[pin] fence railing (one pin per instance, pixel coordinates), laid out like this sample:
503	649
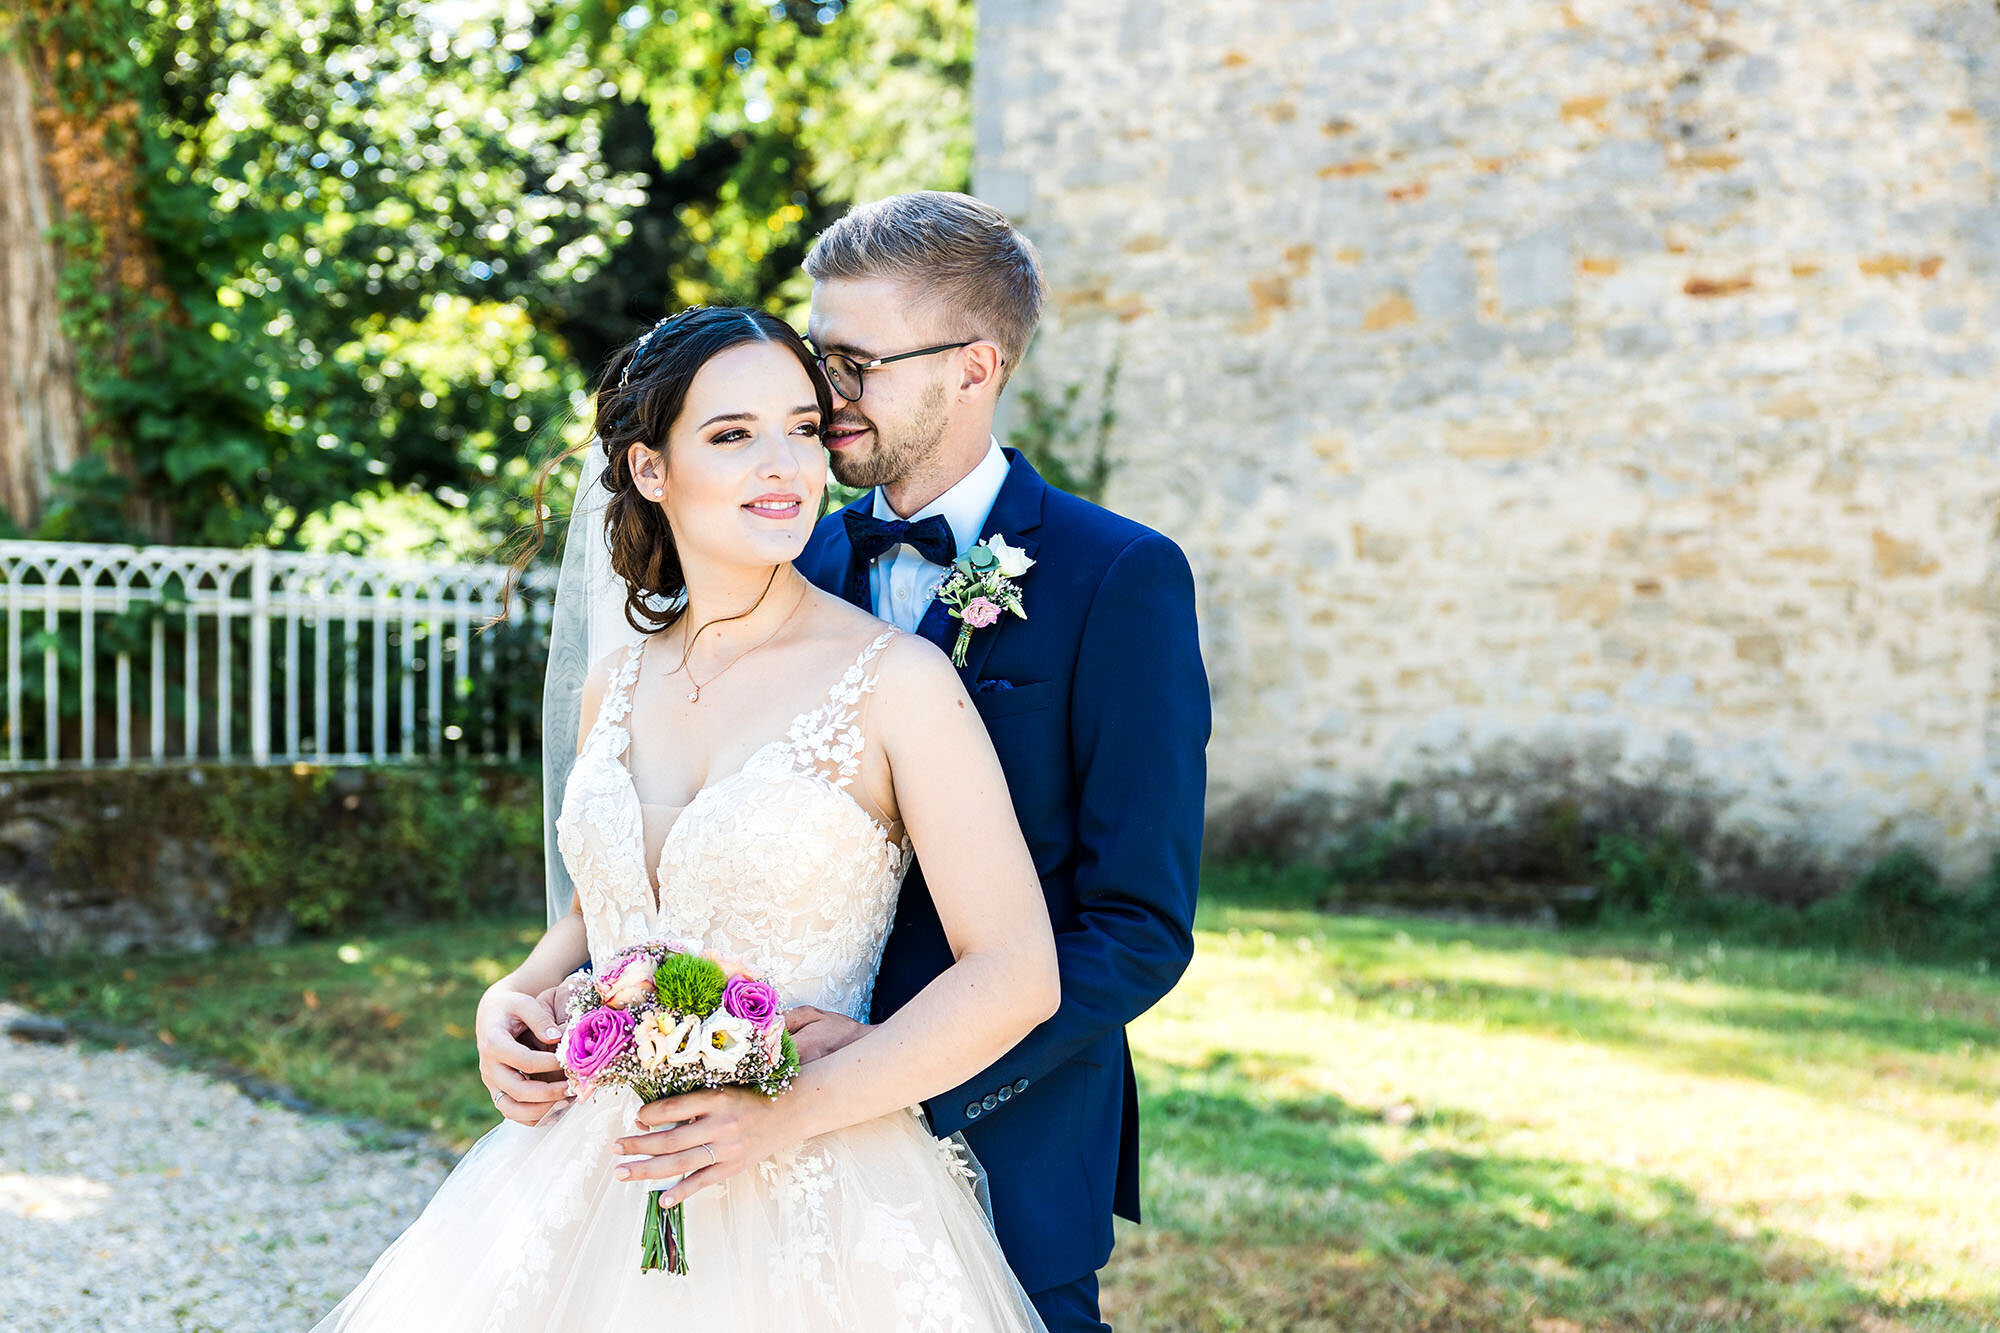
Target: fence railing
172	655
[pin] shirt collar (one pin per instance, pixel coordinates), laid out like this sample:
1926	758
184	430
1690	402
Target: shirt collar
967	503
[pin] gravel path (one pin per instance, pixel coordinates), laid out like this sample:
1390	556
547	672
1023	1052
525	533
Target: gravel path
135	1197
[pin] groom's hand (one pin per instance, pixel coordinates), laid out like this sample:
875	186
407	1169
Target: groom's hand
515	1035
818	1033
724	1131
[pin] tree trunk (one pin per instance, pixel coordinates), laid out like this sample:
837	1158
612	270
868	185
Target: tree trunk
41	411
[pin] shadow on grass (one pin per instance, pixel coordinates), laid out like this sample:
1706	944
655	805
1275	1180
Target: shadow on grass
1334	1216
1786	1042
1778	1018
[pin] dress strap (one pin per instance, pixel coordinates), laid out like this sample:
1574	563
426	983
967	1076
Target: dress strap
618	697
830	738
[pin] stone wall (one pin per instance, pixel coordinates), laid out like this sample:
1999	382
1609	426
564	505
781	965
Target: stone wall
1578	405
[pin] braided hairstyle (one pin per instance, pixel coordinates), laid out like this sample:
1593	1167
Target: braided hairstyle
640	395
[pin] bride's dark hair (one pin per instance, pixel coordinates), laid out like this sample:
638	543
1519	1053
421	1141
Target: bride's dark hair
640	394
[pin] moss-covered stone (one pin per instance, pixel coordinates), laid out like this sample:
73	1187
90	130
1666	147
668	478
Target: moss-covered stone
187	858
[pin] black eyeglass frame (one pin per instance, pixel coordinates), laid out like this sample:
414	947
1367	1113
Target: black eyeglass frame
860	379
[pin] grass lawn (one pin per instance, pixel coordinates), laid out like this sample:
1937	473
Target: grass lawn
1366	1124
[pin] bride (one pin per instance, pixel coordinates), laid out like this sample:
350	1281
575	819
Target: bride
754	770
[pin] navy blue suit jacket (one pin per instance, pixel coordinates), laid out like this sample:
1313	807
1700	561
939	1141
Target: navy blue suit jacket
1098	706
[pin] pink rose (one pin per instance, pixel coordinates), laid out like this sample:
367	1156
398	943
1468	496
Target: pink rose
751	1000
981	612
609	976
634	986
627	982
594	1041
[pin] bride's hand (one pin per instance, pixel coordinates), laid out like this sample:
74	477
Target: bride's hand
514	1033
557	997
818	1033
714	1135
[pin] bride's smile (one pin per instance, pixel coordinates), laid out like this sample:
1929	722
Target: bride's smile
776	506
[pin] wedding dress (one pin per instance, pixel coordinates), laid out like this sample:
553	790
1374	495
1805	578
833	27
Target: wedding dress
874	1227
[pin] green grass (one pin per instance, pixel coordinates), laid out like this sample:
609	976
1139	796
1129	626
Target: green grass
377	1026
1369	1124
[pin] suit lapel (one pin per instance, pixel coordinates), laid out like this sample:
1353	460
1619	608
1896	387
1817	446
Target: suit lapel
938	626
1016	512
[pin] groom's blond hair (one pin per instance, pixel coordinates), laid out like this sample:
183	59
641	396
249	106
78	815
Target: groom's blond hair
959	257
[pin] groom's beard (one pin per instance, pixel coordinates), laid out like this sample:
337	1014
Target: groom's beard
896	455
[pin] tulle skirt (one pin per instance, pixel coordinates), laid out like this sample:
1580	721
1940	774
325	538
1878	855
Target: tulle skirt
874	1227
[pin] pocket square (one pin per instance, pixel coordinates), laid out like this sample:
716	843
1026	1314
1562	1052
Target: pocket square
992	686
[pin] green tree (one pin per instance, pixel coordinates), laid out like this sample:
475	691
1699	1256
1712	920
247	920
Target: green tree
755	126
383	250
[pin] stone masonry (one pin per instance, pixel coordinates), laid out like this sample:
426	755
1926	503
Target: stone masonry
1583	405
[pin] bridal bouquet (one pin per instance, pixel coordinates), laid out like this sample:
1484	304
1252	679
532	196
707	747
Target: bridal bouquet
664	1019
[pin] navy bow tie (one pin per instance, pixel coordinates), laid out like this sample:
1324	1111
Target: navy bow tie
870	536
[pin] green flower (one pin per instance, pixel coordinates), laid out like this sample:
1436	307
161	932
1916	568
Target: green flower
689	983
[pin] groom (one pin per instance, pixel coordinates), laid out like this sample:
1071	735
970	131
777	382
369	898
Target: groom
1096	702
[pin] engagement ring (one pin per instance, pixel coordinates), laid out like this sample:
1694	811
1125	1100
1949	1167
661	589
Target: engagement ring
712	1161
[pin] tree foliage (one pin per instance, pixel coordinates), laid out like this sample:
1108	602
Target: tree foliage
385	243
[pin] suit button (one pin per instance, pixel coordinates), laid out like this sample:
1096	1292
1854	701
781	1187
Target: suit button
989	1101
1021	1086
972	1110
1005	1093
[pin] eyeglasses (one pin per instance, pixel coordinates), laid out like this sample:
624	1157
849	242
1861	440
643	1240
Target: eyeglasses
845	371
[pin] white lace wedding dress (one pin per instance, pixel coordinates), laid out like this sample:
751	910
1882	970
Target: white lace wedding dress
870	1228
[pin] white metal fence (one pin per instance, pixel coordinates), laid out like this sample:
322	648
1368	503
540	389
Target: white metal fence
145	655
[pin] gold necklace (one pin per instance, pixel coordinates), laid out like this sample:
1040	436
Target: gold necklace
694	695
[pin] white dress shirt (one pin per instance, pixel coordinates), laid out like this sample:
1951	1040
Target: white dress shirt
901	582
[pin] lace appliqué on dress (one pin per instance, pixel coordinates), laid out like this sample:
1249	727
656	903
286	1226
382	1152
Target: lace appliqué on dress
776	864
802	1176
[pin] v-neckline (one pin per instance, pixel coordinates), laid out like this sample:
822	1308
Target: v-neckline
649	874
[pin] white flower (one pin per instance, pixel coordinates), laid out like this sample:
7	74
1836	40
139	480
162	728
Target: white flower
725	1039
658	1037
683	1042
1014	561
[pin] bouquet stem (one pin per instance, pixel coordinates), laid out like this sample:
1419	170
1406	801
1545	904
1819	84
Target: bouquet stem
663	1243
964	642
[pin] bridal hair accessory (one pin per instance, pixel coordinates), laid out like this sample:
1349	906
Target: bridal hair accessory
625	375
664	1019
980	587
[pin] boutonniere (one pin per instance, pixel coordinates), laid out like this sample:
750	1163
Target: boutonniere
981	586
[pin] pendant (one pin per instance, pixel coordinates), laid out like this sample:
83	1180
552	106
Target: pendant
694	696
